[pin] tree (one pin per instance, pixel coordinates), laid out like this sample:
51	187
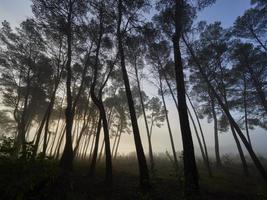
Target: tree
24	63
144	176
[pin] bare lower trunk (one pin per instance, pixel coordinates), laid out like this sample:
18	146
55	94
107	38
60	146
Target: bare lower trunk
168	123
241	153
245	109
190	168
145	118
255	159
117	146
94	157
216	135
143	170
66	160
115	140
101	151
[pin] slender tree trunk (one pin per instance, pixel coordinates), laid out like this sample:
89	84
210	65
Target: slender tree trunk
204	156
115	141
202	135
216	135
66	160
168	123
92	146
38	135
84	126
245	109
86	145
152	165
255	159
241	153
190	168
101	151
94	158
20	140
100	106
45	143
143	170
117	146
58	147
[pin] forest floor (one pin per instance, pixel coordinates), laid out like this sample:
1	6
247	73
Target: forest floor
19	180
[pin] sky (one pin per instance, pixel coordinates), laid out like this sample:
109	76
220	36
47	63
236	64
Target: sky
225	11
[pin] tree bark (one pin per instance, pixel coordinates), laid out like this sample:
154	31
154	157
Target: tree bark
168	123
143	170
253	156
94	158
190	168
152	165
66	161
245	109
216	135
98	102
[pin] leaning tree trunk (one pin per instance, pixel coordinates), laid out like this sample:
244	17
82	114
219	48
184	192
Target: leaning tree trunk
94	157
190	168
253	156
115	141
146	123
85	125
98	102
245	108
117	146
168	122
20	139
241	153
202	135
216	134
143	170
58	147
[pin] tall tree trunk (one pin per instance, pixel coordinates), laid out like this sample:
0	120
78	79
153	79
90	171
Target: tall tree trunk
115	141
57	127
241	153
203	153
88	138
20	140
38	135
152	165
245	108
45	143
202	135
50	108
168	123
66	160
58	147
143	170
94	157
216	134
254	157
98	102
117	146
190	168
86	122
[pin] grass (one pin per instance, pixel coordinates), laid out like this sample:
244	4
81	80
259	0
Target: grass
33	180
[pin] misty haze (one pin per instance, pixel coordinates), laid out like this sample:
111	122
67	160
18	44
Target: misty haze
133	99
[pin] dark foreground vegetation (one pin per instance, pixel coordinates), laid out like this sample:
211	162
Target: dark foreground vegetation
73	82
34	180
